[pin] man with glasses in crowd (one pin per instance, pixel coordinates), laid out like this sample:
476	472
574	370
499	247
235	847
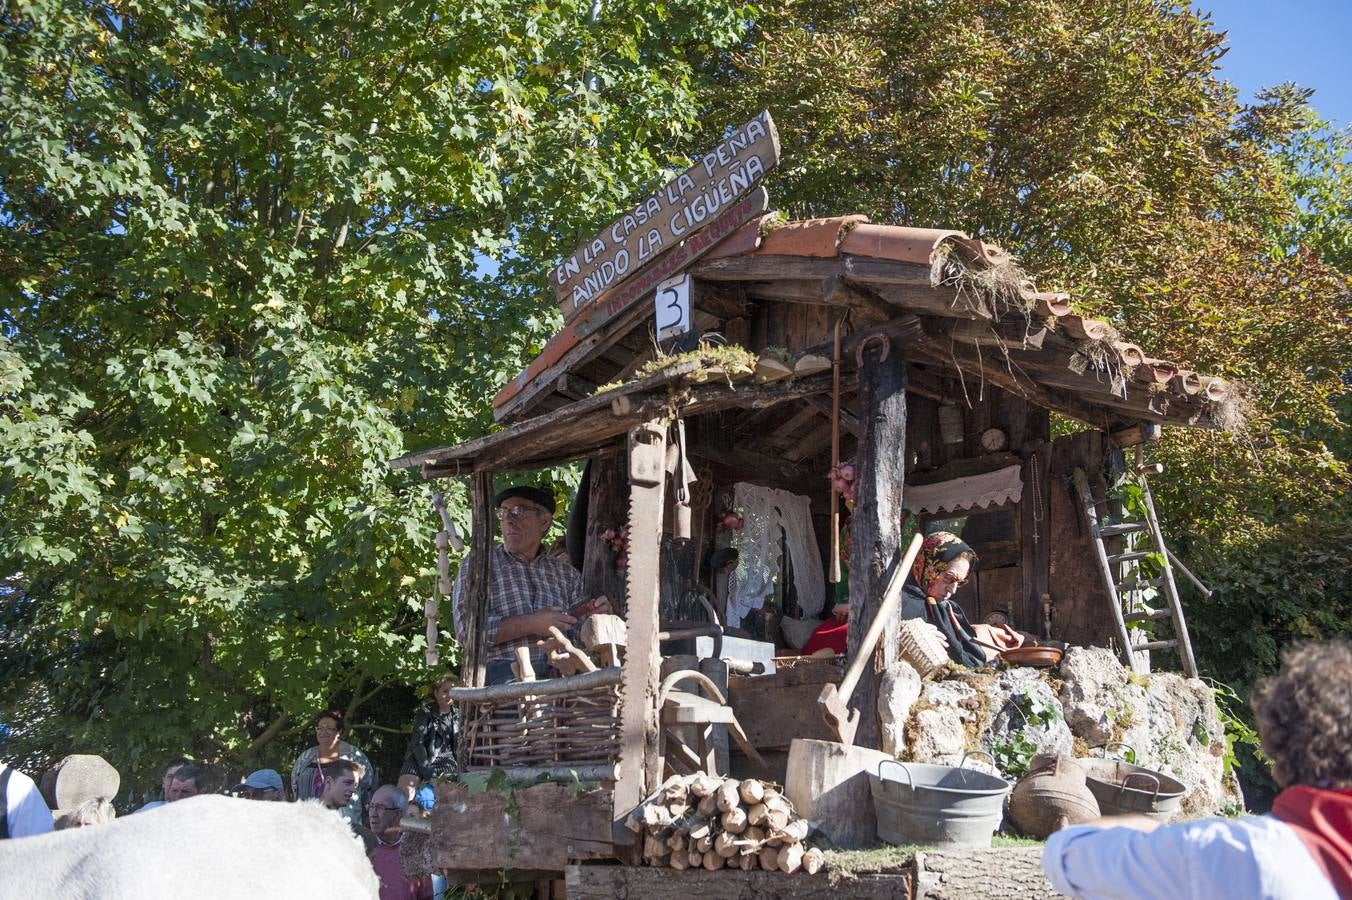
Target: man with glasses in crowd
529	591
386	809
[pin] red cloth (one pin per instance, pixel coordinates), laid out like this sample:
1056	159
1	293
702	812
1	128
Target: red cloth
393	883
1323	820
831	633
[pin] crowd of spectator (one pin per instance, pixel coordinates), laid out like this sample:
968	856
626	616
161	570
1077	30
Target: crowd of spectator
331	771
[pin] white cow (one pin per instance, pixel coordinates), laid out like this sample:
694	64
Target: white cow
208	846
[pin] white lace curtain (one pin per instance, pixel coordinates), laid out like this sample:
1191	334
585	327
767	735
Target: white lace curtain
765	511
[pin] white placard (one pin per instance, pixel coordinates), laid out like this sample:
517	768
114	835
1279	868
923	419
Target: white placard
671	304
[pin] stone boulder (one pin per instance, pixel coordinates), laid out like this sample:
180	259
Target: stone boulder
1091	702
898	692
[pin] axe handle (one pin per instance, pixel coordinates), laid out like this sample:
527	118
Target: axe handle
891	597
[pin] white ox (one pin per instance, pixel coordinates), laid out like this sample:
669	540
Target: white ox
208	846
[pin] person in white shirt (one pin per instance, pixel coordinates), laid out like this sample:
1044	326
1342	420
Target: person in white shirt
1302	850
23	812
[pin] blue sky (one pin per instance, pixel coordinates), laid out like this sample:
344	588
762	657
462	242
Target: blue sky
1305	41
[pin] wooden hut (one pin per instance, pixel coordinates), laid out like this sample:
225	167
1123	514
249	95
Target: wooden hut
943	371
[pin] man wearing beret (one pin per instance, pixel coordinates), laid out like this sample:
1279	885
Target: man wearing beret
529	591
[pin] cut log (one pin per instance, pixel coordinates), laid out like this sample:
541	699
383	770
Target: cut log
756	815
708	805
712	861
703	784
814	860
752	791
705	844
791	858
829	785
724	845
746	863
727	796
769	859
734	820
679	861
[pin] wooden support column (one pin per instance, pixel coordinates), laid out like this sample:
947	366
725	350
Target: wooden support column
480	575
875	527
639	760
607	507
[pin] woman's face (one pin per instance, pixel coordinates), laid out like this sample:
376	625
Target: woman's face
326	733
443	695
946	584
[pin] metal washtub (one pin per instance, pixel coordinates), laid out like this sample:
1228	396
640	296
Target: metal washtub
1122	788
929	804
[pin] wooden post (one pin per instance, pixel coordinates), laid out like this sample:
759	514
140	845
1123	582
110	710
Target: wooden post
607	507
875	527
639	760
480	575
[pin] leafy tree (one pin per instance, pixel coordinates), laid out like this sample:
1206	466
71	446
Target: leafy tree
1099	144
240	253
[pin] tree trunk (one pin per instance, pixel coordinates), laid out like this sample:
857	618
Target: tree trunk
875	527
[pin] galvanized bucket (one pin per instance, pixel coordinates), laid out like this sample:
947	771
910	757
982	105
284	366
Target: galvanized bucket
1122	788
941	805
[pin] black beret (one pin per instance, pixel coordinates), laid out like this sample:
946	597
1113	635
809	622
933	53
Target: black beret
538	496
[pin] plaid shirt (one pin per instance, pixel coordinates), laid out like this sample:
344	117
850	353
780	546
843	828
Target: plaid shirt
518	588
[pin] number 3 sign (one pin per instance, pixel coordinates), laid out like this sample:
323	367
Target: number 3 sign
672	307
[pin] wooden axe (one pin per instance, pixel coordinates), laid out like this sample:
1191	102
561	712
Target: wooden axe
834	701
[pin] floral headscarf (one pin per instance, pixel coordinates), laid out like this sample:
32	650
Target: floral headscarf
936	554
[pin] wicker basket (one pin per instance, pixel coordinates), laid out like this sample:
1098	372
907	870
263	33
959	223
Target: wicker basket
571	721
920	646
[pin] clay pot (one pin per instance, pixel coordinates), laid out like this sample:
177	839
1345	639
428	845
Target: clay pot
1052	796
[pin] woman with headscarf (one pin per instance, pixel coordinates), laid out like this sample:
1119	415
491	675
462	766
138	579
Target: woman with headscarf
943	565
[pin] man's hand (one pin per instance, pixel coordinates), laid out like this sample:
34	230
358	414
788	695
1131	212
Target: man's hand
545	619
592	607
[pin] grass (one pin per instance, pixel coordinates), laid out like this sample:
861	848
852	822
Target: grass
885	858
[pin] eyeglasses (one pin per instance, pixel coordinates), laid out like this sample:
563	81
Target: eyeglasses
957	582
516	512
382	808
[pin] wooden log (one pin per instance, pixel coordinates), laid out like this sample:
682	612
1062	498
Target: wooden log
703	785
548	826
747	863
724	846
757	814
752	791
790	858
814	860
734	820
708	804
727	796
480	575
769	859
965	873
829	785
712	860
875	530
679	861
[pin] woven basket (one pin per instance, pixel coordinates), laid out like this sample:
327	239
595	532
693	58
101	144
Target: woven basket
919	645
573	720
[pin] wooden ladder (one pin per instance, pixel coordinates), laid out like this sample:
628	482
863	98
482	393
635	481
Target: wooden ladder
1125	579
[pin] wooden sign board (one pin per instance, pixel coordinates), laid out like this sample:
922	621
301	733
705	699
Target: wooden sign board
660	220
672	262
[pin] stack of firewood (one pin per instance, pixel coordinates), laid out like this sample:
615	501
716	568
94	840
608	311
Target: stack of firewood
703	820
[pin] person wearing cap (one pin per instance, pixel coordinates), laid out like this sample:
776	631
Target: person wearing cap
265	784
529	590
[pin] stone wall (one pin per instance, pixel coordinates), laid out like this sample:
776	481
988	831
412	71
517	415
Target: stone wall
1088	702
